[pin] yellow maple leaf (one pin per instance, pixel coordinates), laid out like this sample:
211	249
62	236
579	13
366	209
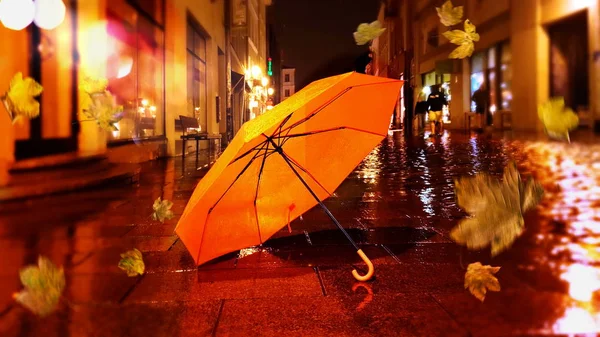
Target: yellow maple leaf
132	262
479	279
449	15
20	99
367	32
93	84
43	284
558	120
496	208
464	39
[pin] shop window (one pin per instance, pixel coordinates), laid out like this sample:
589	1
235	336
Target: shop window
493	67
135	70
196	75
506	77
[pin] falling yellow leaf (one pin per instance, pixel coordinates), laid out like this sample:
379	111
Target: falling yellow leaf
479	279
20	99
93	85
449	15
496	208
367	32
464	40
132	262
104	110
162	210
558	120
43	284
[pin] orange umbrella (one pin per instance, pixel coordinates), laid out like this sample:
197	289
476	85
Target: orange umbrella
286	161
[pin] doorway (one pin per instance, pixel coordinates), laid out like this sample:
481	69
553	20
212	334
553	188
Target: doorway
569	60
56	129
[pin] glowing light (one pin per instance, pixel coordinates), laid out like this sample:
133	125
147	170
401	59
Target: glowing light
269	107
153	108
264	81
253	104
126	63
144	102
270	91
17	14
256	72
493	108
116	133
577	321
427	90
49	14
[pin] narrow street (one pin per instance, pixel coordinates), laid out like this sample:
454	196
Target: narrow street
399	205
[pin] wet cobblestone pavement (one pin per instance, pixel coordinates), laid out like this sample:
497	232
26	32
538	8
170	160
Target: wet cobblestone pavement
399	206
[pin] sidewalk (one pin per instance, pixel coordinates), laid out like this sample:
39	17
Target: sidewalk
399	205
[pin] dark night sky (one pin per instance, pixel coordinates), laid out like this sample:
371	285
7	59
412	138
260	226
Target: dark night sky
316	35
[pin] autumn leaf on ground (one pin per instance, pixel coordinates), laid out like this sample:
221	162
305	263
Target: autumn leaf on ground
20	99
464	39
449	15
43	284
496	209
367	32
132	262
479	279
104	110
162	210
558	120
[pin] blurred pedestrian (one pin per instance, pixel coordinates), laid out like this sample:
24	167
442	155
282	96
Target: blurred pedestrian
420	110
436	102
480	97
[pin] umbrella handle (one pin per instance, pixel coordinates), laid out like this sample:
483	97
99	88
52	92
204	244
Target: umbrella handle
369	273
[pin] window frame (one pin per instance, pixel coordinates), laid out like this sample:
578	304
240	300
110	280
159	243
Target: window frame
198	31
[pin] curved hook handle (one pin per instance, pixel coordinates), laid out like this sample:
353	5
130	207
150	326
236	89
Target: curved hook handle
369	273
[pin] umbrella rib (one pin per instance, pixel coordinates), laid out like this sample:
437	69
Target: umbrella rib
293	161
262	166
237	178
319	109
328	130
331	101
278	130
250	151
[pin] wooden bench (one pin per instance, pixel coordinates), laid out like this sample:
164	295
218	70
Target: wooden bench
192	123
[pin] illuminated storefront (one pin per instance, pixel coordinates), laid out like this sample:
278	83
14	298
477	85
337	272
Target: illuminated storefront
493	67
135	66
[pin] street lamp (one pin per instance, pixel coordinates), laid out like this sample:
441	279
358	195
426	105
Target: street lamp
265	81
16	14
49	14
270	91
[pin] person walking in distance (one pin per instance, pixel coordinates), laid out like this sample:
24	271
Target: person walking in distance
420	110
436	102
480	97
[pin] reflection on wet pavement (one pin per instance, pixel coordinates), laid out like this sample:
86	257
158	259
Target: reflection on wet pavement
399	205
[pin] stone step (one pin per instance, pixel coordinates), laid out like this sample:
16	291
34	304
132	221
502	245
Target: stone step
28	183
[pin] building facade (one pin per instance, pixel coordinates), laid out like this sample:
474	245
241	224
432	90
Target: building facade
162	59
248	60
528	52
288	82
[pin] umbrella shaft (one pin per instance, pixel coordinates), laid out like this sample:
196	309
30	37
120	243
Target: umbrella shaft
325	209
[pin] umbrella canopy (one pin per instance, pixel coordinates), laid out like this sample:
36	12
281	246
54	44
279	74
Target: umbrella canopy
285	162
